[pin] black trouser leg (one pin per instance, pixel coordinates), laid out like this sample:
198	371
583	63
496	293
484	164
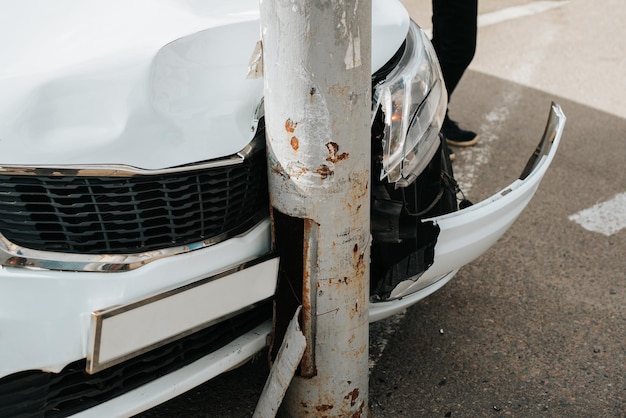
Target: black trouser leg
454	37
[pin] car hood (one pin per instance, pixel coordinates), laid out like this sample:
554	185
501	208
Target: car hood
148	83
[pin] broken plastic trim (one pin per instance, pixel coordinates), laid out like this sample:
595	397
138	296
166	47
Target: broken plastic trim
403	246
468	233
556	118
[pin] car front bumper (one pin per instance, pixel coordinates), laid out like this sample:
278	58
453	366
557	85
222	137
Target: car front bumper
47	315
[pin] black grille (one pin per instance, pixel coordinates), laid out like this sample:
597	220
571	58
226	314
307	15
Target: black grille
38	394
117	215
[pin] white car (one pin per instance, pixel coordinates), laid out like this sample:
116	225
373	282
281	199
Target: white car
135	247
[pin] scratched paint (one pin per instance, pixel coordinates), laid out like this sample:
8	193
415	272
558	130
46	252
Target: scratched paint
353	52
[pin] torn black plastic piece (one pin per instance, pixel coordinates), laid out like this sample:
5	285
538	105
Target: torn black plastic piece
403	245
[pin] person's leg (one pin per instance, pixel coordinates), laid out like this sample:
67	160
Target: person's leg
454	40
454	37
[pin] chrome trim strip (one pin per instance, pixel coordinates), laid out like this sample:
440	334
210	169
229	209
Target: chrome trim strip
109	170
555	123
12	255
120	170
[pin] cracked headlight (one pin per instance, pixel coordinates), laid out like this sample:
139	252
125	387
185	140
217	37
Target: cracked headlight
413	100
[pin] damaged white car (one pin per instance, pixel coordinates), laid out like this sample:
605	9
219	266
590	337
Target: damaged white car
135	246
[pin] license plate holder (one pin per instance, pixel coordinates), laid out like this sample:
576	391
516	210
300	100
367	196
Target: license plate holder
121	332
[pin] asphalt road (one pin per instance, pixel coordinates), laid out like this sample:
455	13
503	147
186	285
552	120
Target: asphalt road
536	327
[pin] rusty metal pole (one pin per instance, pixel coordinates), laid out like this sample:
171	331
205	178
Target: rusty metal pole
316	65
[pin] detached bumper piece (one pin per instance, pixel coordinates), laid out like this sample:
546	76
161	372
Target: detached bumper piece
419	248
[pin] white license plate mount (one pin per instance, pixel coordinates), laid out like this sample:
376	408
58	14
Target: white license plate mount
125	331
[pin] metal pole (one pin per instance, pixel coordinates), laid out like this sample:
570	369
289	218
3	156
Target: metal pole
316	64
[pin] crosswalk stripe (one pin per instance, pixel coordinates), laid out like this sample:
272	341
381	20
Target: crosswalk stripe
607	218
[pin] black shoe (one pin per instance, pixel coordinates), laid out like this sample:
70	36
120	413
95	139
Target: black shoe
457	136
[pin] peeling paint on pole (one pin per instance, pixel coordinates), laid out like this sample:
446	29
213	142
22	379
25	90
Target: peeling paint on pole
316	62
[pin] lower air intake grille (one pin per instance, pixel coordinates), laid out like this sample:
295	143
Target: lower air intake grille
38	394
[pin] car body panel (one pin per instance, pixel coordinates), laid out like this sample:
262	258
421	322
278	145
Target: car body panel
152	84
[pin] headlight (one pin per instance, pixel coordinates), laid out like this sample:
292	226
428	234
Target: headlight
413	99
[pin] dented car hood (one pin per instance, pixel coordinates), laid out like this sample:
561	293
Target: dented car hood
148	83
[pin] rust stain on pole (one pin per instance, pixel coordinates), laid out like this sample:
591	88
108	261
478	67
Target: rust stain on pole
295	144
275	166
353	396
359	412
324	171
333	149
290	126
307	364
360	273
339	90
323	408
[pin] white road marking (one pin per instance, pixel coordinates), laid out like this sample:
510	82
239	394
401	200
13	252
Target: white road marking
511	13
607	218
517	12
381	331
